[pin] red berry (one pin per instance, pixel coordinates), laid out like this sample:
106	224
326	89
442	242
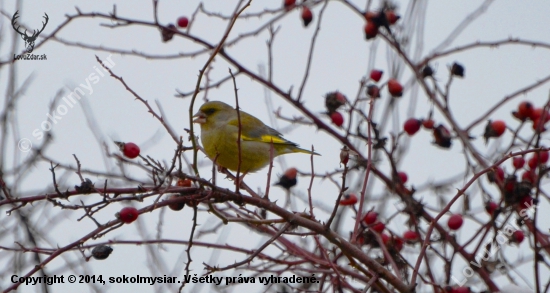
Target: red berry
395	88
184	183
402	177
461	290
130	150
525	110
499	127
538	113
378	227
370	16
518	236
289	4
535	114
348	200
176	206
496	176
494	129
455	222
291	173
412	126
307	16
518	162
373	91
541	156
500	174
376	75
410	236
491	207
510	184
428	124
334	100
370	217
371	30
537	126
532	163
183	21
392	17
128	214
337	119
397	243
344	155
526	202
529	176
341	98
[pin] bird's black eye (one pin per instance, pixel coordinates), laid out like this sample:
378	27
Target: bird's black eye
209	111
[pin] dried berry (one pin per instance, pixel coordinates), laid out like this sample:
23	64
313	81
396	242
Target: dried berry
457	69
288	179
101	252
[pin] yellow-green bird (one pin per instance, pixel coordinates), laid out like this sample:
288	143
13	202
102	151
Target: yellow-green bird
220	128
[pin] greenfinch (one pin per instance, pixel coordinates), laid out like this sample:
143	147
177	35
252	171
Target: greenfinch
220	128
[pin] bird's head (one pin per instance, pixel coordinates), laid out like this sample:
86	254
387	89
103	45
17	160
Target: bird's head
212	113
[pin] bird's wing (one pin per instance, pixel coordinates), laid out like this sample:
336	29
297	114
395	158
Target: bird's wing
253	129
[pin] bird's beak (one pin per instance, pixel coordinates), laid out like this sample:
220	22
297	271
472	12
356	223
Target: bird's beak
200	118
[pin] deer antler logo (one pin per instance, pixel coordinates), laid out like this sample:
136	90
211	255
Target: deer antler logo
29	40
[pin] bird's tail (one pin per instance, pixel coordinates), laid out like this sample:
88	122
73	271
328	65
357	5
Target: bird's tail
299	150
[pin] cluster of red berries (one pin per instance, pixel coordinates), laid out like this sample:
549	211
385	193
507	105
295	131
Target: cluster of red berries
333	101
519	191
394	243
515	192
493	209
371	221
394	87
412	125
442	136
178	206
375	20
536	160
526	111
